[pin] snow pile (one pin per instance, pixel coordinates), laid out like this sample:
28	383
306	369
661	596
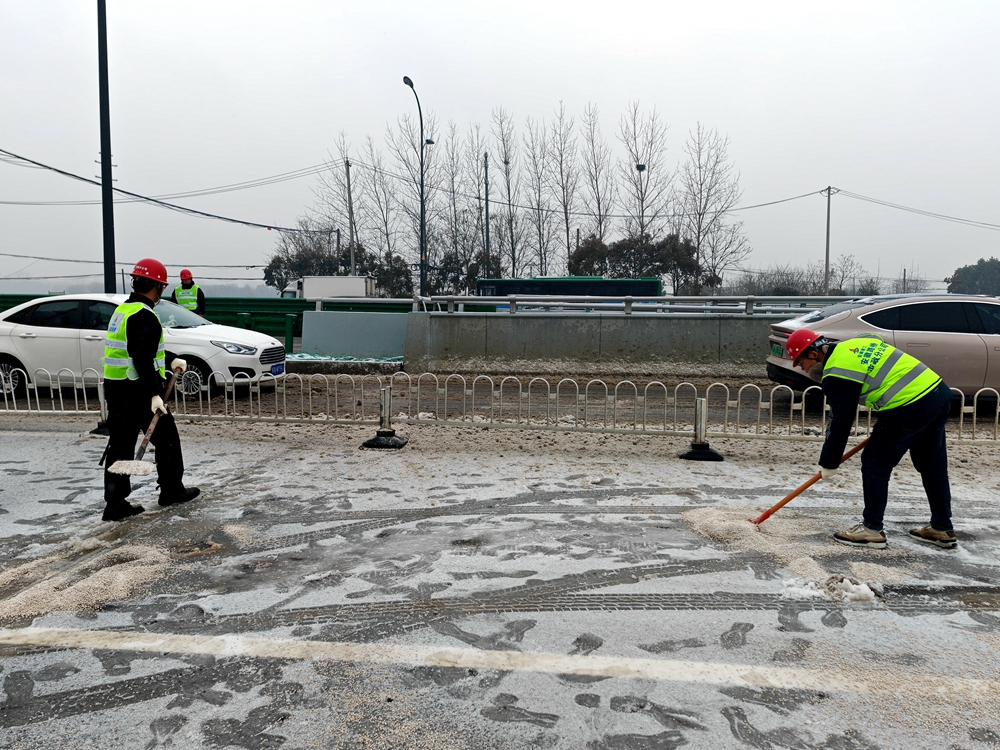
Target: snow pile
836	588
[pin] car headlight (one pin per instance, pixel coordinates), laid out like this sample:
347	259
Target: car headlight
235	348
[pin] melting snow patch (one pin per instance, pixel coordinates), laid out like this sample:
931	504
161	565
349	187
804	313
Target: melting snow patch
836	588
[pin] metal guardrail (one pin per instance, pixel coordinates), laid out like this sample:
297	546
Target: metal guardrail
563	404
745	305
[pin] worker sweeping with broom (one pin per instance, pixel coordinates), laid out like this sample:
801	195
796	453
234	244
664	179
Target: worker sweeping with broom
911	404
134	389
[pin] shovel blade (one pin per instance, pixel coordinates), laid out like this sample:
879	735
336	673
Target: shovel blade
132	468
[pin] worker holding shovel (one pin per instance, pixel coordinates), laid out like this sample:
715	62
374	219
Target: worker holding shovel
134	389
911	404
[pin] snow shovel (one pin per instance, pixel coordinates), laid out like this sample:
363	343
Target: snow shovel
795	493
138	467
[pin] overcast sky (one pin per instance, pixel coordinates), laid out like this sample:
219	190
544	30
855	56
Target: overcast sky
894	100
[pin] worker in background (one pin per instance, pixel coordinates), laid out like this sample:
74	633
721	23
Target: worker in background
189	295
911	404
135	382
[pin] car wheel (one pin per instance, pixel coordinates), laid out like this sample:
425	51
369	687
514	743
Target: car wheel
193	380
13	378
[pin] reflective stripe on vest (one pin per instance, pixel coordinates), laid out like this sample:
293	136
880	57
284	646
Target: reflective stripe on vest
889	377
118	365
187	298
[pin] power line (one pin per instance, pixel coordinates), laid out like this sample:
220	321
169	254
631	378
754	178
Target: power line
922	212
101	275
157	202
413	181
127	263
259	182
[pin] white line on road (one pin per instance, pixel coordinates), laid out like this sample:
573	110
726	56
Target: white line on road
465	658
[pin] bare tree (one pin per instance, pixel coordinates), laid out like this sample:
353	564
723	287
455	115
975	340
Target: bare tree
475	148
540	212
644	176
598	175
565	170
380	211
332	201
404	148
844	274
710	188
511	237
909	281
724	248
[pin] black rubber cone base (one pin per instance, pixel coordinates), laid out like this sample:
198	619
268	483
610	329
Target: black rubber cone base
701	452
386	440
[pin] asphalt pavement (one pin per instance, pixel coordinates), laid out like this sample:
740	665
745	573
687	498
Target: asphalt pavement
485	589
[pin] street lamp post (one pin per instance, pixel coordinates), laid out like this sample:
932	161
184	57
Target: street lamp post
423	215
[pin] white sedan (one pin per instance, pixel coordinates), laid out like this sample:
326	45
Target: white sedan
61	339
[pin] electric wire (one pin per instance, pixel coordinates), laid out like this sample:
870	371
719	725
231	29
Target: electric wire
233	187
921	212
247	266
163	204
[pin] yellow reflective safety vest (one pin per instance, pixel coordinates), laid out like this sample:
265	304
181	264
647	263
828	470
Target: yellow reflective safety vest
889	377
187	298
118	365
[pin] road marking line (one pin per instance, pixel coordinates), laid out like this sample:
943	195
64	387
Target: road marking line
712	673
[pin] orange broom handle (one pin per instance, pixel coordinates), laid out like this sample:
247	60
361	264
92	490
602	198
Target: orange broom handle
795	493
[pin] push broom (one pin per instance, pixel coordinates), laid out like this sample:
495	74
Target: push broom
795	493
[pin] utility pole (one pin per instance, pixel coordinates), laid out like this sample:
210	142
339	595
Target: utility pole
107	195
338	243
826	269
350	216
904	281
486	173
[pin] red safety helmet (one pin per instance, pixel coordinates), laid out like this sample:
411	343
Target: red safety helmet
149	268
799	342
185	275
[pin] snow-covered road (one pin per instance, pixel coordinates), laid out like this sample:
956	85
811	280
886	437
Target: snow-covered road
486	588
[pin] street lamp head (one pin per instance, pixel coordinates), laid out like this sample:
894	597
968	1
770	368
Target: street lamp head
641	167
407	81
429	142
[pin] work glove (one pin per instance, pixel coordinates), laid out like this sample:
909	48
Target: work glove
179	364
828	473
156	404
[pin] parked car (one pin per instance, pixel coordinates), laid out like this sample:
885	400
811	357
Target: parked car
956	335
65	334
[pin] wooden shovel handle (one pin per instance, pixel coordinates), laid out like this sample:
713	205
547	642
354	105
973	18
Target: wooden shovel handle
156	417
806	485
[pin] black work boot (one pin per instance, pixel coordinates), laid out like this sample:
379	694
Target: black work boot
182	495
121	511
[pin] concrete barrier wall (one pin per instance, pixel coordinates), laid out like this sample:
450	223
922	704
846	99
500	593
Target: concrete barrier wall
596	343
354	334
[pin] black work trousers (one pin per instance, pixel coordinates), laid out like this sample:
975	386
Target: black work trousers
128	418
919	429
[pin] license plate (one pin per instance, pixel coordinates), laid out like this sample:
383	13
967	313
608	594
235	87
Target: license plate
777	350
278	369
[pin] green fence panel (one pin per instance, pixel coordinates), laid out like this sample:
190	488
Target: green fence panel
8	301
265	314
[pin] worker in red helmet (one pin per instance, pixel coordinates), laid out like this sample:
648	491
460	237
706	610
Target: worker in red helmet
135	383
911	403
189	295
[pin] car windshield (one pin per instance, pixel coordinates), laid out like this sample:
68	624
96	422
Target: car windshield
175	316
829	312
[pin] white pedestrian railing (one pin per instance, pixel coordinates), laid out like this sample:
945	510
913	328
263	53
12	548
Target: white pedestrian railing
508	402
